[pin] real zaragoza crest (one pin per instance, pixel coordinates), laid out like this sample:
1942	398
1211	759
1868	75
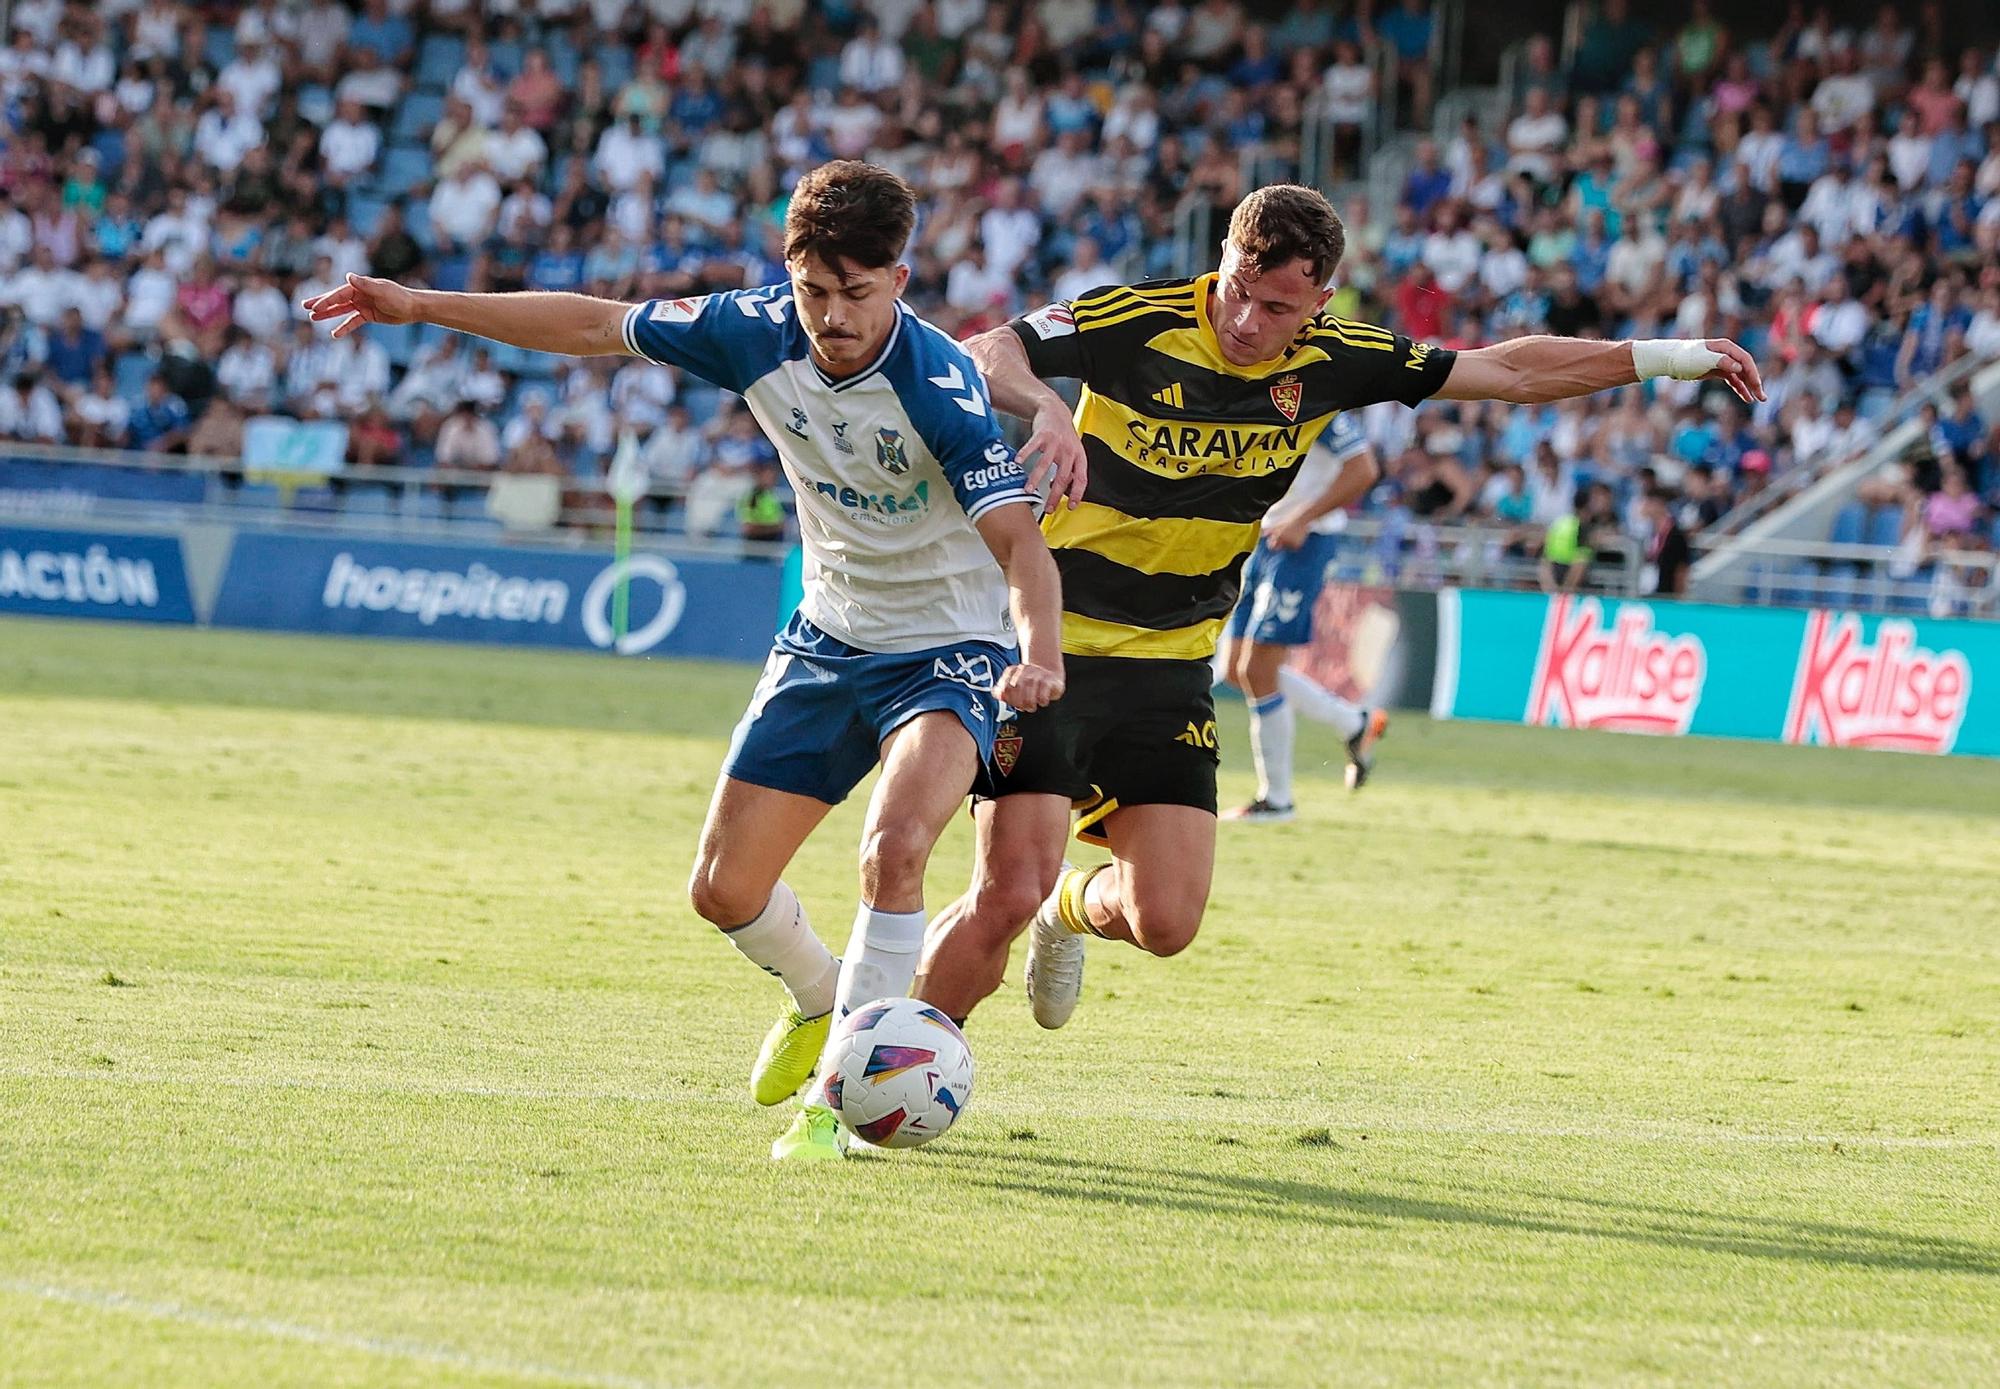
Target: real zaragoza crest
1288	394
1007	748
889	451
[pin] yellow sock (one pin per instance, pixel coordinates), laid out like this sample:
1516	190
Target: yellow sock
1071	890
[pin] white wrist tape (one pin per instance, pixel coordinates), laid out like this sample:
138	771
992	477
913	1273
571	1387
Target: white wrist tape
1684	359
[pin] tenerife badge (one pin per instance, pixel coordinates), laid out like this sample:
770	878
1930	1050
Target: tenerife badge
889	451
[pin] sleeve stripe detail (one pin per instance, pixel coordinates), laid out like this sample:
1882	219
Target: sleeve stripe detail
626	329
1365	330
986	504
1091	302
1099	310
1183	312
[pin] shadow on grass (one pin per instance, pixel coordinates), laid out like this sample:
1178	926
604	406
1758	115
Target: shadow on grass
1087	1180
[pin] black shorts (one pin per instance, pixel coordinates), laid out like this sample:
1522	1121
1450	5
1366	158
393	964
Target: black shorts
1125	732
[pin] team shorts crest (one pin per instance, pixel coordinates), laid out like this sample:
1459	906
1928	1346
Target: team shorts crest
1126	732
821	709
1280	588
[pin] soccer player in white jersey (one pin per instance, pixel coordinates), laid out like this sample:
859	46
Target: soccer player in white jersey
1281	584
922	561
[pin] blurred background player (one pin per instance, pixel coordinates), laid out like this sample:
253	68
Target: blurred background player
922	561
1281	584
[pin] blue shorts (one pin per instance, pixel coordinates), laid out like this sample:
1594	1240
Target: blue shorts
1280	588
822	708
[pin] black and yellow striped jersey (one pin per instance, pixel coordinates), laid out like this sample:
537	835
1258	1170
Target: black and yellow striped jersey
1187	452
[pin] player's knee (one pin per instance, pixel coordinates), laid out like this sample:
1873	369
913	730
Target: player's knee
893	857
1001	907
1163	927
720	902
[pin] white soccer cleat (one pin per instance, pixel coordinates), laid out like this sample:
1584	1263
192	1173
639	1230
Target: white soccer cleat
1054	976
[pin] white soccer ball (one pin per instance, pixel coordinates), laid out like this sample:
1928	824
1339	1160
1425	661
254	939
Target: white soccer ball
901	1072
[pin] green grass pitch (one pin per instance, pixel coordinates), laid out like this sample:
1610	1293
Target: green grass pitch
354	1031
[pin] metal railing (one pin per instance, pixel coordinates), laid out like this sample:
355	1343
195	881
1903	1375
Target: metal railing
1874	578
1389	548
237	493
1397	549
1935	390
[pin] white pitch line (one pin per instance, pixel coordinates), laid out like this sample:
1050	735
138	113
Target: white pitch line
1638	1133
391	1347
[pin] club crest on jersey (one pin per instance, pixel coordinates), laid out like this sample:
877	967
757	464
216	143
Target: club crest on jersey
840	437
1007	748
798	422
889	451
1288	394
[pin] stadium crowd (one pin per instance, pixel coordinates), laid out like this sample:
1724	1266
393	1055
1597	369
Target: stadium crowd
177	176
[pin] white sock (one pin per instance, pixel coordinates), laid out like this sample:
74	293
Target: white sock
1271	748
779	941
1317	702
880	962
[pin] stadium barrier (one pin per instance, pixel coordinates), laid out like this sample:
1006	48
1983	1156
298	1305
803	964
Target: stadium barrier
493	593
1817	676
279	580
100	574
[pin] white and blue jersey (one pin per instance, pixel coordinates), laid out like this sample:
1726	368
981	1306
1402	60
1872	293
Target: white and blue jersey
1281	587
905	608
891	465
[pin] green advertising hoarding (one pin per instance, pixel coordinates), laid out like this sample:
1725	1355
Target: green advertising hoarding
1794	675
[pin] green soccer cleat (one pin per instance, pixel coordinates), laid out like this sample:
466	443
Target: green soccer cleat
785	1062
814	1136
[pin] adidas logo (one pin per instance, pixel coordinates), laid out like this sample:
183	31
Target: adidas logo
1170	397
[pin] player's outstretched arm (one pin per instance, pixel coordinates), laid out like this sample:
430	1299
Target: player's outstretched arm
1054	451
1536	370
1034	593
576	325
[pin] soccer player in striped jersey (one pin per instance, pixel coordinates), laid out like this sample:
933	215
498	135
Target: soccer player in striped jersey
1200	400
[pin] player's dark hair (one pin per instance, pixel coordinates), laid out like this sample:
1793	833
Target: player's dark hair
850	214
1285	222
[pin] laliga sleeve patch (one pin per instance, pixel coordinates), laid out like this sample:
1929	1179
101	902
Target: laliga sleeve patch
1052	321
677	310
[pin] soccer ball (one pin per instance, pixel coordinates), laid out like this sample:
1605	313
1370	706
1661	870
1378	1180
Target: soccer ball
900	1073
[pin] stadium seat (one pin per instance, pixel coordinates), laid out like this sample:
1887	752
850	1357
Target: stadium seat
439	60
422	504
1798	587
506	59
404	168
614	65
134	369
218	50
399	340
451	272
364	213
1850	525
509	358
368	499
315	500
564	61
417	222
1912	595
258	494
1885	526
416	117
316	103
